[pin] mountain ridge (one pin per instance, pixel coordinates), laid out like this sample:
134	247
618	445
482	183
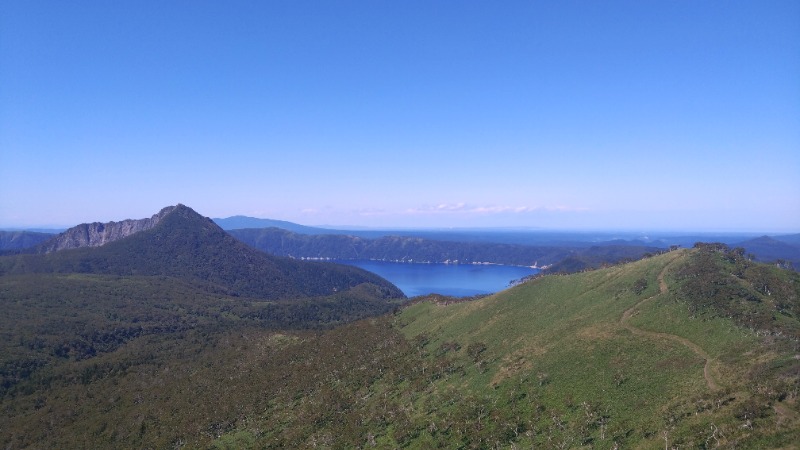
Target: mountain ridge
96	234
184	244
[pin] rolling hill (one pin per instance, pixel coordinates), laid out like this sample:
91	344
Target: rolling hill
694	348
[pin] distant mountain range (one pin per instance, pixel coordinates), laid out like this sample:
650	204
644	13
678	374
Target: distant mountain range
563	250
416	249
242	222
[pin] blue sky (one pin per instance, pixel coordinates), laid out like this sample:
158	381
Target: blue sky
646	115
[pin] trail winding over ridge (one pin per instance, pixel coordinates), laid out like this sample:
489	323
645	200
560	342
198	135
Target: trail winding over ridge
663	289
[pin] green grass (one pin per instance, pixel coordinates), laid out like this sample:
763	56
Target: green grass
564	335
716	335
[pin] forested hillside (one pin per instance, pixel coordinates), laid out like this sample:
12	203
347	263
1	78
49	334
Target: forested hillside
186	245
689	349
71	317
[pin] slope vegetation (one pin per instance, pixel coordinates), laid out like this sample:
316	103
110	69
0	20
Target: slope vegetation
689	349
69	315
635	354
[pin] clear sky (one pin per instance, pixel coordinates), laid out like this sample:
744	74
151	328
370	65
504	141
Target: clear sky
651	115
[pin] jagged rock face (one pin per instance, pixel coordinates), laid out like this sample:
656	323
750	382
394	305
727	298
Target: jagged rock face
96	234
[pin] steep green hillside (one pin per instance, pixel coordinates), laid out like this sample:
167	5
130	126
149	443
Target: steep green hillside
663	352
634	354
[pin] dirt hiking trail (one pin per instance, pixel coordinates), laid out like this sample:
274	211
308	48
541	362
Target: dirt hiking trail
663	289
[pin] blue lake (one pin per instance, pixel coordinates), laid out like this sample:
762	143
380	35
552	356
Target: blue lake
459	280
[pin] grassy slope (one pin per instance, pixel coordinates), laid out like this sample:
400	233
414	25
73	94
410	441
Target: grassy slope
568	335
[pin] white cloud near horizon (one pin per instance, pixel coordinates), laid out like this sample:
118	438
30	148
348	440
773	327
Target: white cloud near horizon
426	215
464	208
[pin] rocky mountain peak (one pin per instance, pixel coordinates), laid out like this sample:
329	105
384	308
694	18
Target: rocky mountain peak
96	234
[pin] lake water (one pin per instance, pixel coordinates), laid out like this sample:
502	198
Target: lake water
461	280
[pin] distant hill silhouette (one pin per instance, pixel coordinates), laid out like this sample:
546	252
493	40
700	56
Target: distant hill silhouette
768	249
242	222
793	239
17	240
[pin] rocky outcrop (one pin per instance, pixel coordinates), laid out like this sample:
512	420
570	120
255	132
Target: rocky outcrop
96	234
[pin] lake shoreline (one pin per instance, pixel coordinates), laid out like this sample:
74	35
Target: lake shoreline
411	261
417	278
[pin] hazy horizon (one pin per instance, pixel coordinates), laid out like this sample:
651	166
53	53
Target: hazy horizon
553	115
464	228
